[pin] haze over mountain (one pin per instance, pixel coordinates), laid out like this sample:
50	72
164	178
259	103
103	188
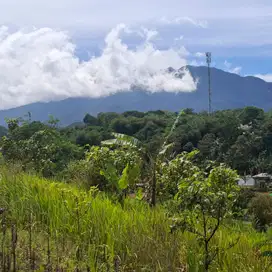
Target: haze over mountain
229	91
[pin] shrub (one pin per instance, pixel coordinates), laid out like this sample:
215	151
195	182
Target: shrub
101	167
260	209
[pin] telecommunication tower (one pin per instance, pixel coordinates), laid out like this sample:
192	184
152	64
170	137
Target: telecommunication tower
209	60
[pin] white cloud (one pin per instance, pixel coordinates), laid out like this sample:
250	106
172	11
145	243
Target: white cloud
200	55
149	35
229	68
106	13
236	70
183	20
197	63
230	22
41	65
265	77
227	65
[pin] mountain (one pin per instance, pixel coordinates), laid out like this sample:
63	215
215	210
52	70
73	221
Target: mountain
228	91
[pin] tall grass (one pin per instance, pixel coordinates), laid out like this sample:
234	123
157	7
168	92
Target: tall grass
62	228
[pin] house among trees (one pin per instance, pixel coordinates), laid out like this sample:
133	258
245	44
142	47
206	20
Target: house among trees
262	181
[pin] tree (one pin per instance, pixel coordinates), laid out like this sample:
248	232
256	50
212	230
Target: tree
204	201
207	145
244	153
92	137
105	118
137	114
53	122
48	153
188	147
260	208
38	147
189	111
121	125
3	131
251	115
13	123
90	120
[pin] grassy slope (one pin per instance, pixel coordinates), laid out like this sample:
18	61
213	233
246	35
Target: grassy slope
85	229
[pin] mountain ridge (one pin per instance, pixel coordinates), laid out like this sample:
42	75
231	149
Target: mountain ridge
228	91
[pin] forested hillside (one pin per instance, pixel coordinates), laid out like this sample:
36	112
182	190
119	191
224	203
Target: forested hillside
241	138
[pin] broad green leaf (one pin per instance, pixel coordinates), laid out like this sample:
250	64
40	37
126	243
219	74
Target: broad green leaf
109	142
133	173
123	181
192	154
110	173
123	140
129	140
139	194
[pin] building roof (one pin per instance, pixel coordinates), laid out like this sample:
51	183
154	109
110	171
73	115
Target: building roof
263	175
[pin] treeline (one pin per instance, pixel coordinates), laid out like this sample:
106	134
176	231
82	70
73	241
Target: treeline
240	138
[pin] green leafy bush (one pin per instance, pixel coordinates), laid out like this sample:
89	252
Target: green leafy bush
260	209
103	167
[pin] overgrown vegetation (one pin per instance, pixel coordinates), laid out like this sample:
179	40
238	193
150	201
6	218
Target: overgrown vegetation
78	198
240	138
59	226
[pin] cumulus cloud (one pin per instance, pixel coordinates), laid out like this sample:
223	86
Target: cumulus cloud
265	77
229	67
41	65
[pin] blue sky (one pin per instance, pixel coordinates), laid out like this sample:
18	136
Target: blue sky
238	33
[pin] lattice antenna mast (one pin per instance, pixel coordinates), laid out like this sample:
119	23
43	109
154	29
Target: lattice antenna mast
209	60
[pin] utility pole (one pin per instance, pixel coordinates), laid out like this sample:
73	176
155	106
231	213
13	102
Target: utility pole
209	60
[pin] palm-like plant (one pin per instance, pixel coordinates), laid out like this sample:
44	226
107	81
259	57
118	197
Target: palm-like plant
150	160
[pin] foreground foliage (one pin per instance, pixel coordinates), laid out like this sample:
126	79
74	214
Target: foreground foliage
60	226
97	217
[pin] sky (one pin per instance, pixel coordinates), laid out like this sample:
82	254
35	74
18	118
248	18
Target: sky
65	48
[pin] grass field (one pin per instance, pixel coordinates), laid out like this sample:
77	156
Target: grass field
52	226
